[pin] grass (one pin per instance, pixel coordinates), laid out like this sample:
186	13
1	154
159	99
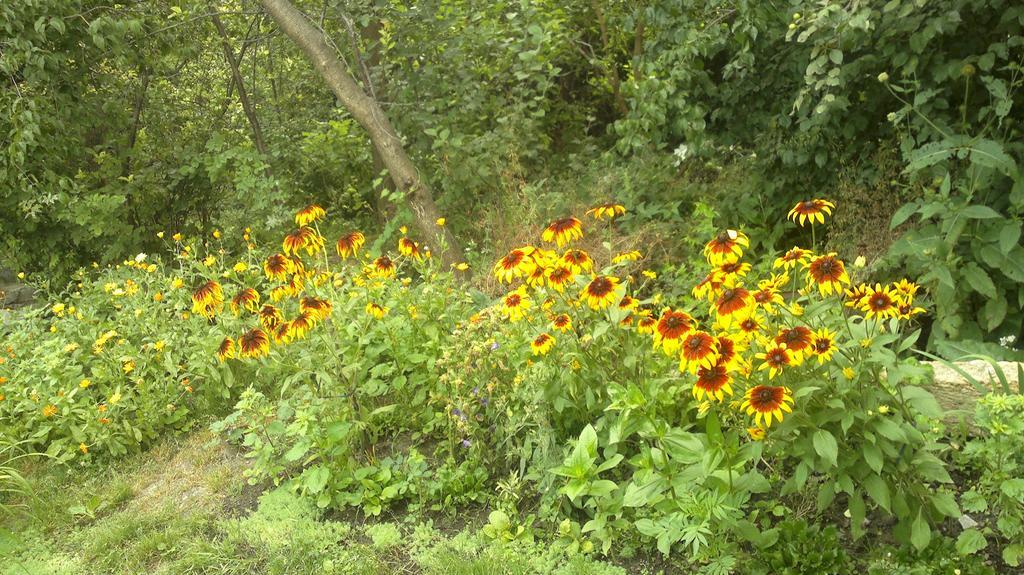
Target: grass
185	508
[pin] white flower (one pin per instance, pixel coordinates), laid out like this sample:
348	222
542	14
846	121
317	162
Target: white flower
140	258
681	153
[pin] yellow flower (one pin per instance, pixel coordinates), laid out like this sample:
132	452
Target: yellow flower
160	235
462	266
158	296
176	237
883	409
240	267
441	222
650	274
404	230
376	310
21	275
128	366
50	410
83	448
115	399
756	433
627	257
848	373
84	384
177	283
58	309
216	234
159	345
209	260
53	329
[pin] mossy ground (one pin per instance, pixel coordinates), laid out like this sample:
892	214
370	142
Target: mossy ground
185	507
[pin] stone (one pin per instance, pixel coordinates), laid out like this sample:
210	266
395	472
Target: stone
957	395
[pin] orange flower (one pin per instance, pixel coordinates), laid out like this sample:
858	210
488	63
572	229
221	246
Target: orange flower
713	381
578	261
319	309
670	329
829	273
208	299
514	264
270	317
305	238
775	358
798	341
559	276
515	304
726	247
309	214
811	210
277	267
698	350
791	258
563	231
409	248
600	292
383	267
254	343
765	401
248	299
562	322
226	349
609	210
349	244
881	302
734	301
542	344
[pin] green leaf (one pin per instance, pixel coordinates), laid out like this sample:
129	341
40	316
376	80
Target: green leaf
979	280
920	532
903	214
825	445
945	504
878	490
1009	236
978	212
640	495
874	458
1012	554
970	541
994	312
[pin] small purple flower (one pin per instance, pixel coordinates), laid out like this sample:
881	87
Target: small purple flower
466	443
457	412
476	391
484	401
494	346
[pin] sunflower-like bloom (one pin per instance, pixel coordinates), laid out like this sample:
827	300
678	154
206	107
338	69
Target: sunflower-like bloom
208	300
542	344
908	311
282	332
299	327
811	211
823	345
319	309
854	296
881	302
734	302
628	303
799	341
248	299
750	326
756	433
578	261
708	287
727	246
254	343
829	273
376	310
767	298
305	238
714	382
563	231
609	210
382	267
767	401
670	330
906	289
349	244
698	350
775	358
226	349
792	258
278	266
627	257
536	278
270	317
515	304
600	292
514	264
309	214
729	352
559	276
646	324
409	248
732	271
562	322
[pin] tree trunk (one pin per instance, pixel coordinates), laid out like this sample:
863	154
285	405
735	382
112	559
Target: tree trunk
612	68
243	96
368	113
